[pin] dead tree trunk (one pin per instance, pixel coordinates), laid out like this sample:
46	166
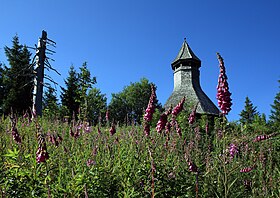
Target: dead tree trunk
39	75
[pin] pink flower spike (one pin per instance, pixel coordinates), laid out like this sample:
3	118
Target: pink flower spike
151	106
179	107
192	115
246	170
223	94
112	130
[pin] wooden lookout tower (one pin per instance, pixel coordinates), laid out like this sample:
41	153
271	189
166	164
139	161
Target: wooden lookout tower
187	82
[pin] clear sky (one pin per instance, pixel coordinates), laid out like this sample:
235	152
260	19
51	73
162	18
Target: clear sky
125	40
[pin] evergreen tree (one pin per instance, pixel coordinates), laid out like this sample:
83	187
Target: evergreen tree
74	96
97	105
275	111
85	83
1	88
131	102
249	112
18	79
50	103
70	97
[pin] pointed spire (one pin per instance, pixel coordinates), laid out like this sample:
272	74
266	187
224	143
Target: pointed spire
184	54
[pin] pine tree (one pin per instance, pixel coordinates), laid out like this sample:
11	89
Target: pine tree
18	79
275	111
50	106
70	97
249	112
97	105
85	83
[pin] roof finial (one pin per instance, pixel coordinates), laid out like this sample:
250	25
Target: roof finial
185	39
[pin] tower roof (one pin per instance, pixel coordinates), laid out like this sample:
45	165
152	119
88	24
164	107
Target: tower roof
185	53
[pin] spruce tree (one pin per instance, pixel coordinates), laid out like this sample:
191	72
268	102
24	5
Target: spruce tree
249	112
85	83
275	111
50	103
70	97
97	105
18	80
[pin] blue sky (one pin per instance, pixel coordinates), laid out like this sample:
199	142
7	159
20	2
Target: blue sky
125	40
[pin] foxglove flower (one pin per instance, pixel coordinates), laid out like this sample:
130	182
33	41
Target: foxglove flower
192	167
192	115
161	123
264	137
71	132
167	128
207	128
151	106
163	120
112	130
179	107
147	129
42	154
223	94
149	111
233	150
90	162
246	170
16	135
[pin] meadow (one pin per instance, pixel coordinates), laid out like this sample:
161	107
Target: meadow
187	156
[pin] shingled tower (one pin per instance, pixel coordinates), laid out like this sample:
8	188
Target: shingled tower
186	82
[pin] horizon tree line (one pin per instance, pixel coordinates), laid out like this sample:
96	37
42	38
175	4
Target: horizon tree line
80	100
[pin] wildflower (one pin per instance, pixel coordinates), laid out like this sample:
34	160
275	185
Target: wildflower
197	133
246	170
90	162
264	137
87	129
16	135
233	150
151	105
192	115
71	132
77	134
99	130
247	184
207	128
65	149
179	107
94	151
167	127
149	111
147	129
59	138
42	154
178	129
163	120
161	123
192	167
223	94
107	115
112	130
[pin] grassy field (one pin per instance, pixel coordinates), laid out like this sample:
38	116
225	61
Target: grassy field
43	158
